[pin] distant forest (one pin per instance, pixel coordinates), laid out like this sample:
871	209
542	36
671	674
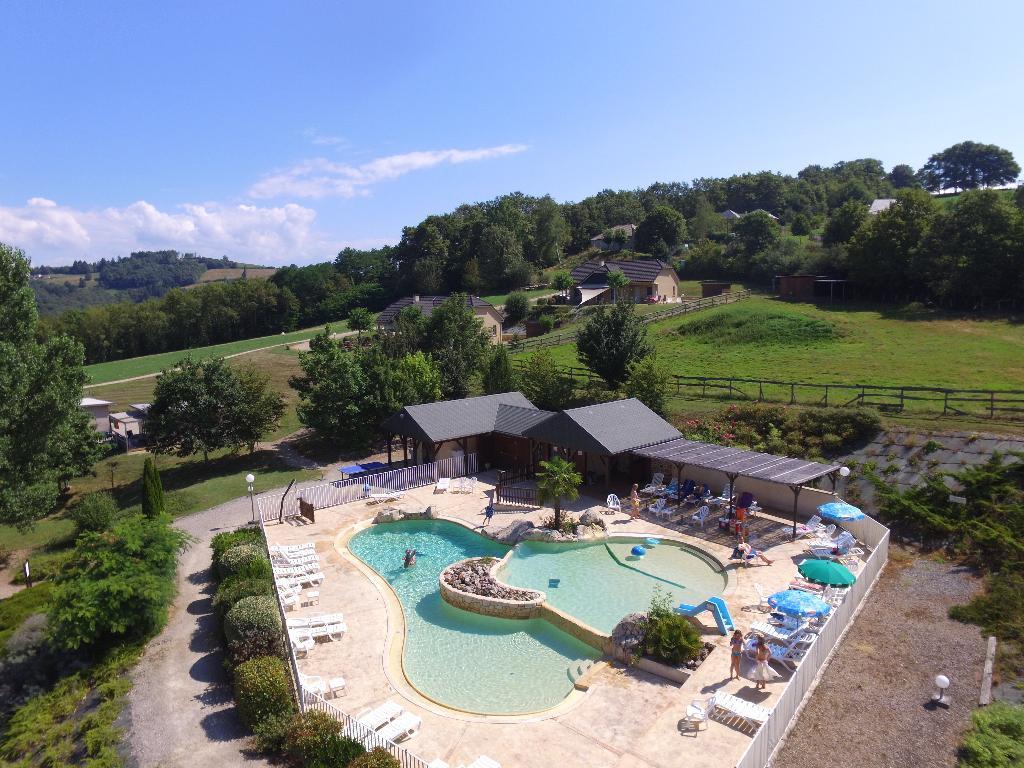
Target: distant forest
140	276
965	251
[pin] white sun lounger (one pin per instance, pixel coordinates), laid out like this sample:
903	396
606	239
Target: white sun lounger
729	707
334	631
375	718
483	761
302	641
442	484
403	727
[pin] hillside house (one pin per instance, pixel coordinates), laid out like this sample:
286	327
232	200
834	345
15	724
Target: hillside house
486	313
129	427
99	412
649	280
628	243
880	204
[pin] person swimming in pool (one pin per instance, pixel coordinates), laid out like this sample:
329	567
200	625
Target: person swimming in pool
410	558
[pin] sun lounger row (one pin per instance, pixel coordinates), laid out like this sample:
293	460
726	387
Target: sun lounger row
387	722
725	706
330	687
455	484
383	495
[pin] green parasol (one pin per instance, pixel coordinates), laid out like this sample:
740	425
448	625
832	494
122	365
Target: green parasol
827	572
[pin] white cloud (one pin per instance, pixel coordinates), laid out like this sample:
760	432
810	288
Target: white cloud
323	139
319	177
50	233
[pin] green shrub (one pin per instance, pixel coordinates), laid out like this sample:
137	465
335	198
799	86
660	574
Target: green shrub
262	690
547	323
152	489
117	584
244	560
95	512
517	304
253	628
314	740
740	325
271	732
376	758
996	738
669	637
222	542
235	588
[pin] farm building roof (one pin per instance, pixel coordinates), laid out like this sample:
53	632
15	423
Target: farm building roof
425	304
605	428
638	270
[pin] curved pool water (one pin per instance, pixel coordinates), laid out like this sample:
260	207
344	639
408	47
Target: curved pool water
461	659
600	582
508	666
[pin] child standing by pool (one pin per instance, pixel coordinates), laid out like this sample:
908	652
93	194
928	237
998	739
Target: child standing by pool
634	502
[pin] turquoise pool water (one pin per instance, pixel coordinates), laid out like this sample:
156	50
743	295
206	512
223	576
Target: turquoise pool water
600	582
472	662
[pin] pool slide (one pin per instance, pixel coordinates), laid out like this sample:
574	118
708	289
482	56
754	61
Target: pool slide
718	609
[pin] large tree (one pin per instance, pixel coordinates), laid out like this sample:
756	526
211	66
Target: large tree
193	408
756	231
498	375
902	176
661	232
969	165
545	384
457	342
333	393
612	341
844	222
256	409
45	437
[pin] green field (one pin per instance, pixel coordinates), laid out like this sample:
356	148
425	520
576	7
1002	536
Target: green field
101	373
766	338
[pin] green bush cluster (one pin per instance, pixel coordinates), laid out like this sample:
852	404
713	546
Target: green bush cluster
262	690
376	758
314	740
253	628
740	325
235	588
996	738
222	542
244	560
669	637
95	512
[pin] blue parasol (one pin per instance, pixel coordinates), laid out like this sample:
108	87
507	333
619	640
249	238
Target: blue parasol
840	511
795	602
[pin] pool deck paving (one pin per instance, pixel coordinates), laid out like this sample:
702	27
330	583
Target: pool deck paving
627	718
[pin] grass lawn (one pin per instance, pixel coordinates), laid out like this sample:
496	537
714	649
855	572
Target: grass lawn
100	373
279	363
869	346
498	299
18	607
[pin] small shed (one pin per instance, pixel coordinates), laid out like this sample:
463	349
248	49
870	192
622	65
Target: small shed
99	412
128	427
797	287
713	288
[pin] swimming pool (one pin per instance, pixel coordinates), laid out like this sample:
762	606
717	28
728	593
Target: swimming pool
490	665
461	659
600	582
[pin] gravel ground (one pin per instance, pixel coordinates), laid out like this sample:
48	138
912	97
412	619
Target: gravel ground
869	710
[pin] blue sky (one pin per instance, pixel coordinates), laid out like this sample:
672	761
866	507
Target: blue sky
279	132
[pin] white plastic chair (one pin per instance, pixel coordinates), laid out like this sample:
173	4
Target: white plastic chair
613	503
812	526
472	485
700	516
660	508
762	597
442	484
698	711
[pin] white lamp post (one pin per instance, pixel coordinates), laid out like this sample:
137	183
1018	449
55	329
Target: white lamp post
942	683
250	479
844	472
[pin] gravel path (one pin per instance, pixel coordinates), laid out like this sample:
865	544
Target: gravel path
870	707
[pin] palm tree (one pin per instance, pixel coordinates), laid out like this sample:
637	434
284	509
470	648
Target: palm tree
557	480
617	280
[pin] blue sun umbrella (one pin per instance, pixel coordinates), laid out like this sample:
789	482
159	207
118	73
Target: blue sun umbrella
840	511
795	602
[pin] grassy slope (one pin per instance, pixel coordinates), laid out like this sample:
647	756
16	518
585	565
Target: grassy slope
498	299
234	273
874	347
100	373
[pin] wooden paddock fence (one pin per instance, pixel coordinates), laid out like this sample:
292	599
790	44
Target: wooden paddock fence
355	488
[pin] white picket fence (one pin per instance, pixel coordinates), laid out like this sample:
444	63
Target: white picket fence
355	488
355	730
761	750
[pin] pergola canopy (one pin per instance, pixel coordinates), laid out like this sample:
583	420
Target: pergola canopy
737	462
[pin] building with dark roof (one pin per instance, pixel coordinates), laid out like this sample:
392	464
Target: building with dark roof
649	280
625	240
507	430
488	315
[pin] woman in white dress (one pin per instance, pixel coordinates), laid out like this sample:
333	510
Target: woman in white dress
762	673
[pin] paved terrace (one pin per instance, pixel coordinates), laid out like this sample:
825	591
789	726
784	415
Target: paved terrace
627	719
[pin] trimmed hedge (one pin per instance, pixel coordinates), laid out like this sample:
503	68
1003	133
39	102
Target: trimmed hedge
235	588
314	740
222	542
253	628
244	559
262	690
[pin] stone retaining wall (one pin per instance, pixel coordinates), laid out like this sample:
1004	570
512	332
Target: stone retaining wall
489	606
577	629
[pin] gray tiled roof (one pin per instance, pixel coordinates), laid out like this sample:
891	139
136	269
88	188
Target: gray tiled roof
763	466
425	304
515	420
637	270
452	419
606	428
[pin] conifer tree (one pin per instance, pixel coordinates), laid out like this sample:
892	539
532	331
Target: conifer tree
152	490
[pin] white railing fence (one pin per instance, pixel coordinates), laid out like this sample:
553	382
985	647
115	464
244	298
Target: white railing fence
761	750
355	488
355	730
